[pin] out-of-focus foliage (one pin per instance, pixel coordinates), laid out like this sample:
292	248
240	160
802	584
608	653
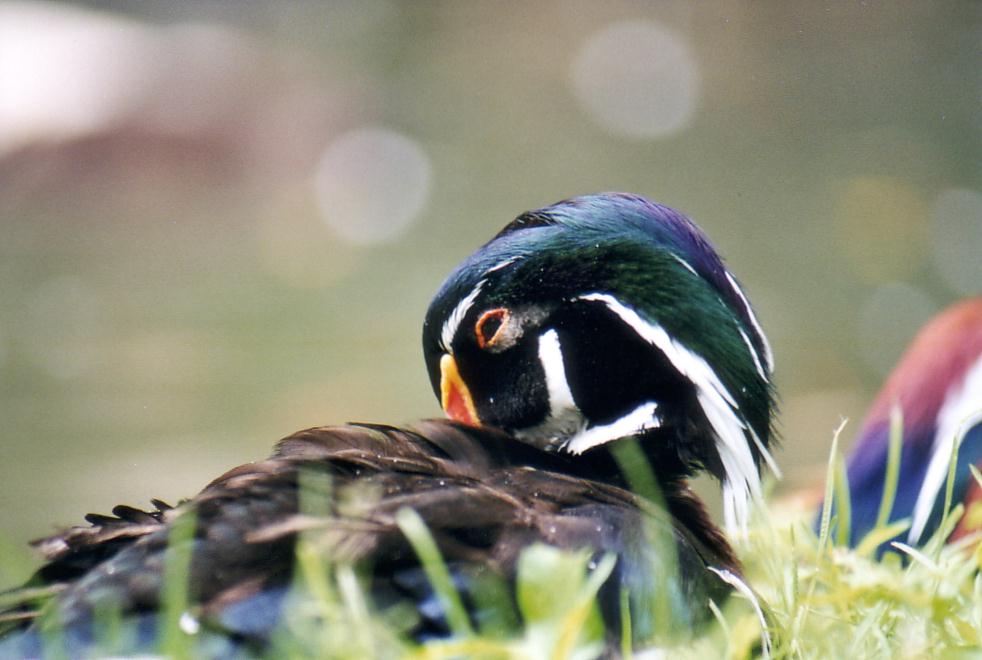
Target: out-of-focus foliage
221	222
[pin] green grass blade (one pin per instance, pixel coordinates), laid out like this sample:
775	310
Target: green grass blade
177	626
919	557
843	500
636	469
436	570
109	629
353	598
826	518
52	631
316	492
949	495
627	642
724	626
492	596
880	535
975	474
893	465
584	606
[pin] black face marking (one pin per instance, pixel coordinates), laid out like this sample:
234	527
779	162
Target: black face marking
508	387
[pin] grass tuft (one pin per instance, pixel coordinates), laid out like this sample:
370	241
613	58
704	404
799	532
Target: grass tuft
436	570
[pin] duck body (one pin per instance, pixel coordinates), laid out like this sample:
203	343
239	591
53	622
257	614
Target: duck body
483	497
937	386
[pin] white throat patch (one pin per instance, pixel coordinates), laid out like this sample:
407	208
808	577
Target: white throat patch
640	419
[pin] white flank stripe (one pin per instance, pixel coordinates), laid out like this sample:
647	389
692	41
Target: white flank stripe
453	321
640	419
741	480
962	409
768	354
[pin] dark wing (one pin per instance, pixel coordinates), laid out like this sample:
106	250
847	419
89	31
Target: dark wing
474	489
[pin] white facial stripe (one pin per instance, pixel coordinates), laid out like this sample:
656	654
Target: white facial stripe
742	480
564	419
960	411
640	419
685	263
551	357
507	262
768	354
453	321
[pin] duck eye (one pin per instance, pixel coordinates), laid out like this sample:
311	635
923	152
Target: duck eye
490	327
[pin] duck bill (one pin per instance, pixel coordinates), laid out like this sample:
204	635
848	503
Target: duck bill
454	396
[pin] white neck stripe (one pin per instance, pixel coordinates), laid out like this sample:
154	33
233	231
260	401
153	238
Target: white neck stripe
640	419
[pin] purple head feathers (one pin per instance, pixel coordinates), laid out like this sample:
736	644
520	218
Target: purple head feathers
664	226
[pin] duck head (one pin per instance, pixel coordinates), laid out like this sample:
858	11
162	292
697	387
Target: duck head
605	317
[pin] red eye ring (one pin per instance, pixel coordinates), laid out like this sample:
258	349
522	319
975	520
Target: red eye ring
490	327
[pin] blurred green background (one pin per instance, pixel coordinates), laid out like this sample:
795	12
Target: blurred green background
221	222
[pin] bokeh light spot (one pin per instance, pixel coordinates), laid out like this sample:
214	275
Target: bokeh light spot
637	79
296	248
371	184
888	320
66	71
882	228
957	224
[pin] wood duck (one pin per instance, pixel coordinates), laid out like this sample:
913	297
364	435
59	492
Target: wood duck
600	319
938	387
